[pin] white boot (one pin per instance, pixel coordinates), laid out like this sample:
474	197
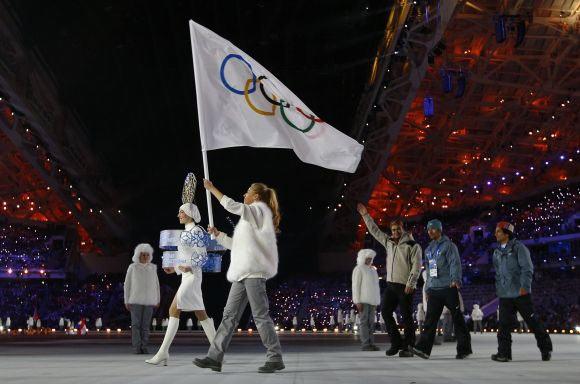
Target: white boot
163	354
209	328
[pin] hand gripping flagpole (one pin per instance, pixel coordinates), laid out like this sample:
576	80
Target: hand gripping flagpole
200	122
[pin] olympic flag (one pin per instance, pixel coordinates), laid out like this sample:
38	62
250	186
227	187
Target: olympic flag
240	103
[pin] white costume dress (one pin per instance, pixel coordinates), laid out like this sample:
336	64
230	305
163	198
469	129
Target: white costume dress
191	252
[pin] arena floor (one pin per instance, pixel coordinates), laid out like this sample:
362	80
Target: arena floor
308	358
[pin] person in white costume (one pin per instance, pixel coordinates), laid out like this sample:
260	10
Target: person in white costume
141	295
477	317
192	255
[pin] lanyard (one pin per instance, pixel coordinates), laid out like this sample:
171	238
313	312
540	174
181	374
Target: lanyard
430	255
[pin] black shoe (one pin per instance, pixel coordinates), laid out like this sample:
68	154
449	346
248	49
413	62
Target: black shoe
370	348
144	351
500	358
393	350
206	362
271	367
138	352
405	353
420	353
461	356
546	356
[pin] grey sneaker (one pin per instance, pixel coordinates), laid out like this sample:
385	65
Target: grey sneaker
271	367
206	362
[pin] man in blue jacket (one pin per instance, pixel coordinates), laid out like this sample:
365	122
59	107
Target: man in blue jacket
442	287
513	283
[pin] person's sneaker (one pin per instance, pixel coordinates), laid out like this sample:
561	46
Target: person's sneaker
546	356
420	353
206	362
375	348
271	367
393	350
500	358
405	353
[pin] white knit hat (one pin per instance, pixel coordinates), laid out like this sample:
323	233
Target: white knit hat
192	211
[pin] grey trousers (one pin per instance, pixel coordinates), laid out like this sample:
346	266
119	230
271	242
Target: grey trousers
140	321
242	292
477	326
367	324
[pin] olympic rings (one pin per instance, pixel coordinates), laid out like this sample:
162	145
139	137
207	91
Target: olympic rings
312	122
256	82
247	97
223	77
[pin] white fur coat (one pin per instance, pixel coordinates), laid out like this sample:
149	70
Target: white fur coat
254	253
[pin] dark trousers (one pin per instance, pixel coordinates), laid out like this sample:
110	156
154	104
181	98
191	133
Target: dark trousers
436	300
507	319
394	295
140	320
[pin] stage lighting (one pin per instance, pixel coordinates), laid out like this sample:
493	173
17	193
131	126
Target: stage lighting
500	29
520	32
446	78
428	108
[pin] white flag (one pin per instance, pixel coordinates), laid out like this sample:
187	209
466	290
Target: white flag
240	103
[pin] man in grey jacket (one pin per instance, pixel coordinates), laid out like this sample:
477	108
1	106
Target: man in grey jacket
443	281
513	283
403	267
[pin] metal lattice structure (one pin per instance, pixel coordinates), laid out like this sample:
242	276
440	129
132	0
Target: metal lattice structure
513	129
48	171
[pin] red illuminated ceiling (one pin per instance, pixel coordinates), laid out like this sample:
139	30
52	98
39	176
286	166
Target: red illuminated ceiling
514	130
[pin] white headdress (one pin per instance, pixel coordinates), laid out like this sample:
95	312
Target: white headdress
188	198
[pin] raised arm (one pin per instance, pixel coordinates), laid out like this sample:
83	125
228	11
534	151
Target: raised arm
373	228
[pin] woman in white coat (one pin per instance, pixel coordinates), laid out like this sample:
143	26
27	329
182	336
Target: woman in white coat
254	259
192	255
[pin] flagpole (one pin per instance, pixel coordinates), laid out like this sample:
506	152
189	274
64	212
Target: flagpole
200	122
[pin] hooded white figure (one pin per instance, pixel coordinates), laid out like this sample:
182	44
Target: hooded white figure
99	323
366	295
164	324
154	324
312	322
38	324
420	316
8	323
331	322
189	324
61	323
30	322
340	319
142	295
477	317
191	256
295	322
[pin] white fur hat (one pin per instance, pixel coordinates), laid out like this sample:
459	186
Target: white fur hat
143	247
192	211
365	254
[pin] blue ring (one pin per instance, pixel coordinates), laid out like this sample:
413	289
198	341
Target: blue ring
223	78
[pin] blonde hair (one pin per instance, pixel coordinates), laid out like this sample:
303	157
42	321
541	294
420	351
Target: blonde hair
270	197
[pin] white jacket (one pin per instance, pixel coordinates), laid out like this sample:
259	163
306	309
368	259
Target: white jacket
476	314
254	253
141	282
365	280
